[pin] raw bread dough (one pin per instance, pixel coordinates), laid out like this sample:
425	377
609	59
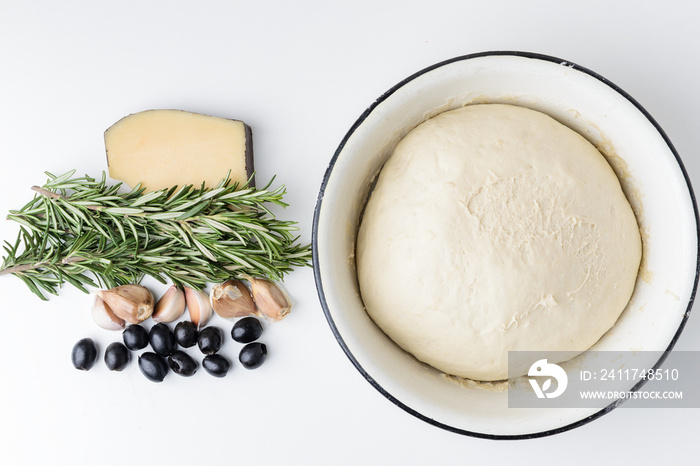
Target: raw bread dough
494	228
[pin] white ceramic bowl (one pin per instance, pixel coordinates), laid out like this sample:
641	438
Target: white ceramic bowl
649	168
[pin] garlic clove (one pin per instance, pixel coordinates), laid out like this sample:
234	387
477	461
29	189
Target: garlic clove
198	306
232	299
170	306
270	299
104	317
133	303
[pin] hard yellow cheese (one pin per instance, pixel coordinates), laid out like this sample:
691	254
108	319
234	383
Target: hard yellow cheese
164	148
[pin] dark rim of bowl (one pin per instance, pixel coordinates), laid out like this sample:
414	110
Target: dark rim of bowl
317	275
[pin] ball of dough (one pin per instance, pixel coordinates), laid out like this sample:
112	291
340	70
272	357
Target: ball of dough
494	228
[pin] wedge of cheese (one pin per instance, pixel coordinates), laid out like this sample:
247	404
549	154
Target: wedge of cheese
164	148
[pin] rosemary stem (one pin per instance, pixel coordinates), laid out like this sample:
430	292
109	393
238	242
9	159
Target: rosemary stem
19	268
25	267
46	192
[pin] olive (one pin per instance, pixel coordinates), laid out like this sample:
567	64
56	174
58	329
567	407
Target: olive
246	330
135	337
117	356
84	354
182	363
162	340
153	366
210	340
216	365
186	333
253	355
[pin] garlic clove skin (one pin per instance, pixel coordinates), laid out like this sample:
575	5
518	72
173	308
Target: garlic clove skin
104	317
170	306
232	299
270	299
198	306
133	303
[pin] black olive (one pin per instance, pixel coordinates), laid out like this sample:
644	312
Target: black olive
84	354
135	337
186	333
246	330
117	356
253	355
162	340
210	340
216	365
153	366
182	363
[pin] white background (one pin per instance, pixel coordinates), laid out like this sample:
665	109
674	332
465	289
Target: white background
300	73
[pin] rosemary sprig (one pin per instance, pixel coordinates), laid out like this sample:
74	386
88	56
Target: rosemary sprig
82	231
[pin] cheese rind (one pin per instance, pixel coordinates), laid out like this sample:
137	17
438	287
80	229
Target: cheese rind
165	148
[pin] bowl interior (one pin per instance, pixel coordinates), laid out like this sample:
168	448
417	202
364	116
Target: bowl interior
649	170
